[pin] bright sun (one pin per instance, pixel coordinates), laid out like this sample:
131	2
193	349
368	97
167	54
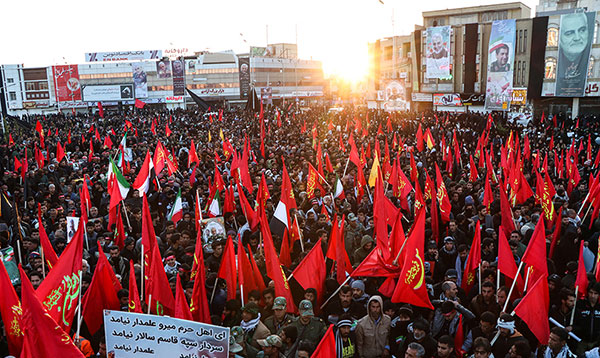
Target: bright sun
352	66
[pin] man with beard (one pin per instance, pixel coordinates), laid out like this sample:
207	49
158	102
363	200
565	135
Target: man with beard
280	317
508	335
345	338
344	304
562	312
372	331
557	345
420	335
574	40
399	329
485	329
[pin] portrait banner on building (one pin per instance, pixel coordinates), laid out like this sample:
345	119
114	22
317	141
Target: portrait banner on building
141	335
163	69
244	71
66	83
395	96
501	55
266	95
437	52
178	68
574	46
140	80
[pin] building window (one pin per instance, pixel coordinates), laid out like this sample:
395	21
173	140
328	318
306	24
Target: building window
523	73
519	41
550	72
10	80
597	33
552	39
518	79
591	67
524	40
12	96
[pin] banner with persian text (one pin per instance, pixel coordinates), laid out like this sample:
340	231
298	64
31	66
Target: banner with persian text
141	335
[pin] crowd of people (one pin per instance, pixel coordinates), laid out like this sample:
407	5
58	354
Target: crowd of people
360	313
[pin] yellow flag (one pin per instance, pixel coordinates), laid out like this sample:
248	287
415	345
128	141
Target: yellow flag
374	171
221	134
209	137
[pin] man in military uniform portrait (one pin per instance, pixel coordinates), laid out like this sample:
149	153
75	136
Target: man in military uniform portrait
502	56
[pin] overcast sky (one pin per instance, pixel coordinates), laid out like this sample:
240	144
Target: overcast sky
41	32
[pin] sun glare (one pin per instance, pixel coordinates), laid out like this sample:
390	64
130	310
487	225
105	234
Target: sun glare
352	66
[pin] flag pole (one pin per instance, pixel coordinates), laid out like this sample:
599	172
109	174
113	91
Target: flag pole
574	306
336	291
43	261
143	278
149	302
242	294
126	216
480	278
346	167
299	231
395	262
212	296
526	278
79	305
512	286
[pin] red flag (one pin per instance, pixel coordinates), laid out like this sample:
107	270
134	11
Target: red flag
168	130
199	301
43	336
533	310
182	310
337	251
101	294
473	261
155	278
119	235
139	104
505	211
506	261
59	292
11	311
327	347
556	233
134	297
311	272
100	110
284	252
258	278
11	142
411	287
459	339
250	214
60	152
473	176
274	270
193	157
442	196
246	276
535	255
581	282
49	254
227	270
419	138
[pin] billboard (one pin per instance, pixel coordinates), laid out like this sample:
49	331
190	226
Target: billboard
519	96
244	71
437	52
268	51
141	335
140	80
102	93
447	99
574	46
163	69
66	83
178	68
501	55
266	95
123	56
395	96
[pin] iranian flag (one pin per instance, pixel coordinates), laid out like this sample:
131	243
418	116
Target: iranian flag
121	181
214	208
176	212
338	190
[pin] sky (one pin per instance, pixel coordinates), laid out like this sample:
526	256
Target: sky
335	32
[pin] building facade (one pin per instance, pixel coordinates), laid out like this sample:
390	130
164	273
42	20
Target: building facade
120	78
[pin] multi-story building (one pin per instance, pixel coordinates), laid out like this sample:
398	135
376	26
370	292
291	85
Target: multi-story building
552	99
120	78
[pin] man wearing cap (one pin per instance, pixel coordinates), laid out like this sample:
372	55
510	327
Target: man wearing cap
358	293
271	347
353	232
345	338
309	327
372	331
399	329
447	256
280	317
253	328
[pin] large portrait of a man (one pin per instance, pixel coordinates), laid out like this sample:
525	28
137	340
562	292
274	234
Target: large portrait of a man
574	47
